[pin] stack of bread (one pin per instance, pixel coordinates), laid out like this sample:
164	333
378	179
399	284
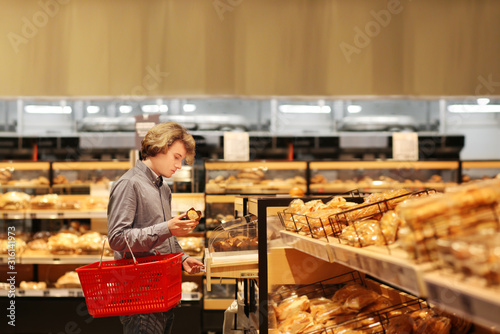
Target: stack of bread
356	309
373	222
14	200
463	210
48	201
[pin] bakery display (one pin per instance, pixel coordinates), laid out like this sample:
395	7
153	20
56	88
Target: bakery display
48	201
352	307
24	285
15	200
69	280
18	245
192	246
462	210
89	243
38	246
233	237
63	243
372	222
254	177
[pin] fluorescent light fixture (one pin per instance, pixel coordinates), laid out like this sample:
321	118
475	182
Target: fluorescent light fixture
354	108
473	108
189	107
154	108
304	109
34	109
125	109
93	109
483	100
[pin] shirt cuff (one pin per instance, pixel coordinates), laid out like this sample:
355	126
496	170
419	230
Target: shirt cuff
162	231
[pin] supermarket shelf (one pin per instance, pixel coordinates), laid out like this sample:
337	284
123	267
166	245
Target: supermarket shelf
191	296
390	264
234	266
53	214
467	298
308	245
374	187
77	292
51	292
62	259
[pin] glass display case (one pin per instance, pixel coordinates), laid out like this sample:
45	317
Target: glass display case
376	176
29	177
257	177
475	170
80	176
218	209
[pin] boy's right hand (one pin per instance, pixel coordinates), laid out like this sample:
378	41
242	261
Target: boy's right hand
180	227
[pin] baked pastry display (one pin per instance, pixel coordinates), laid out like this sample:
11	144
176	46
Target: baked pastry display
24	285
6	245
5	175
342	312
37	247
371	183
89	243
255	180
63	243
14	200
373	222
192	246
69	280
237	243
48	201
95	203
462	210
353	308
60	179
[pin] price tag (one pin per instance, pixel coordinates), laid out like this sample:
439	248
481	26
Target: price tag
405	146
236	146
248	275
142	125
353	260
408	279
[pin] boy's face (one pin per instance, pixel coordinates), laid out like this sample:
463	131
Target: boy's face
166	164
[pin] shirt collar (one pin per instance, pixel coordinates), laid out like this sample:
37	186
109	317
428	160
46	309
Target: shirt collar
152	176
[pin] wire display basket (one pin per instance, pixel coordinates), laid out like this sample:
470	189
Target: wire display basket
132	286
351	303
358	225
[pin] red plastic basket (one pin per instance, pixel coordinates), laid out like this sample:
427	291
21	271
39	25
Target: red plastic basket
121	287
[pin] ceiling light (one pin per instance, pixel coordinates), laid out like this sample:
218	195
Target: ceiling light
93	109
154	108
474	108
125	109
40	109
304	109
354	108
483	100
189	107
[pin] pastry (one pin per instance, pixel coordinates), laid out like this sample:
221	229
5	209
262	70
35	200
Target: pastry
49	201
193	214
14	200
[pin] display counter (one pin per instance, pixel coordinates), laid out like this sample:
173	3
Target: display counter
375	176
256	177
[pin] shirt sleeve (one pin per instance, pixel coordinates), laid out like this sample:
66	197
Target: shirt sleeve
121	213
176	246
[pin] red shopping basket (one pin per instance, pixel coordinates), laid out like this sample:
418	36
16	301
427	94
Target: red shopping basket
132	286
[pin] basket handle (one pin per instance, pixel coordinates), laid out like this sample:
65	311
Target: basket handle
102	251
